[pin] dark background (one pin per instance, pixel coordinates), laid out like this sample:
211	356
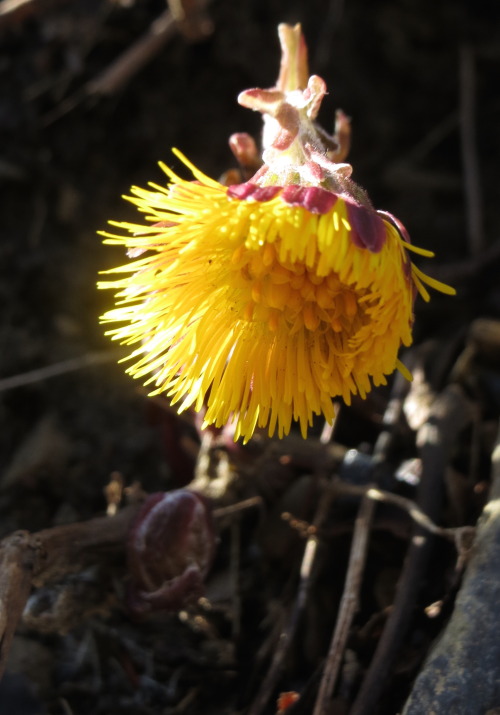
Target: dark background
67	155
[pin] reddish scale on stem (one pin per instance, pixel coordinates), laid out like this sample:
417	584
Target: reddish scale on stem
400	228
368	229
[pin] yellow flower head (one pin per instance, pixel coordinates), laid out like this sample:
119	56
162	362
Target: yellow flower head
264	300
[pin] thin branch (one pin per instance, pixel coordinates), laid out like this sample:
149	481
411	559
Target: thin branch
14	12
348	605
234	578
224	511
450	413
469	150
185	17
135	57
9	6
408	505
59	368
286	637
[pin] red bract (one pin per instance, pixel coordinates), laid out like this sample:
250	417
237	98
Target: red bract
170	550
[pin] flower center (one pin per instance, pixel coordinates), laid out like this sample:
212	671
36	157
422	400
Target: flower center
290	295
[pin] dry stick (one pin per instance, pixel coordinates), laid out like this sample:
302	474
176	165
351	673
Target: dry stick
136	57
234	578
189	21
357	558
403	503
286	637
11	8
65	706
59	368
121	70
14	12
148	46
224	511
469	150
450	413
348	604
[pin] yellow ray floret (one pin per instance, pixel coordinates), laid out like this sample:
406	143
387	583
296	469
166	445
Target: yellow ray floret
261	311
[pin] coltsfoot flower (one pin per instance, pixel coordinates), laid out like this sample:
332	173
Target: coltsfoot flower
262	301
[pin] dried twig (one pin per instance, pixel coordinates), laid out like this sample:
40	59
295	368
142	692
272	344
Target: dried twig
188	18
9	8
286	637
234	575
348	604
59	368
135	57
13	12
407	505
224	511
469	150
450	413
119	72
